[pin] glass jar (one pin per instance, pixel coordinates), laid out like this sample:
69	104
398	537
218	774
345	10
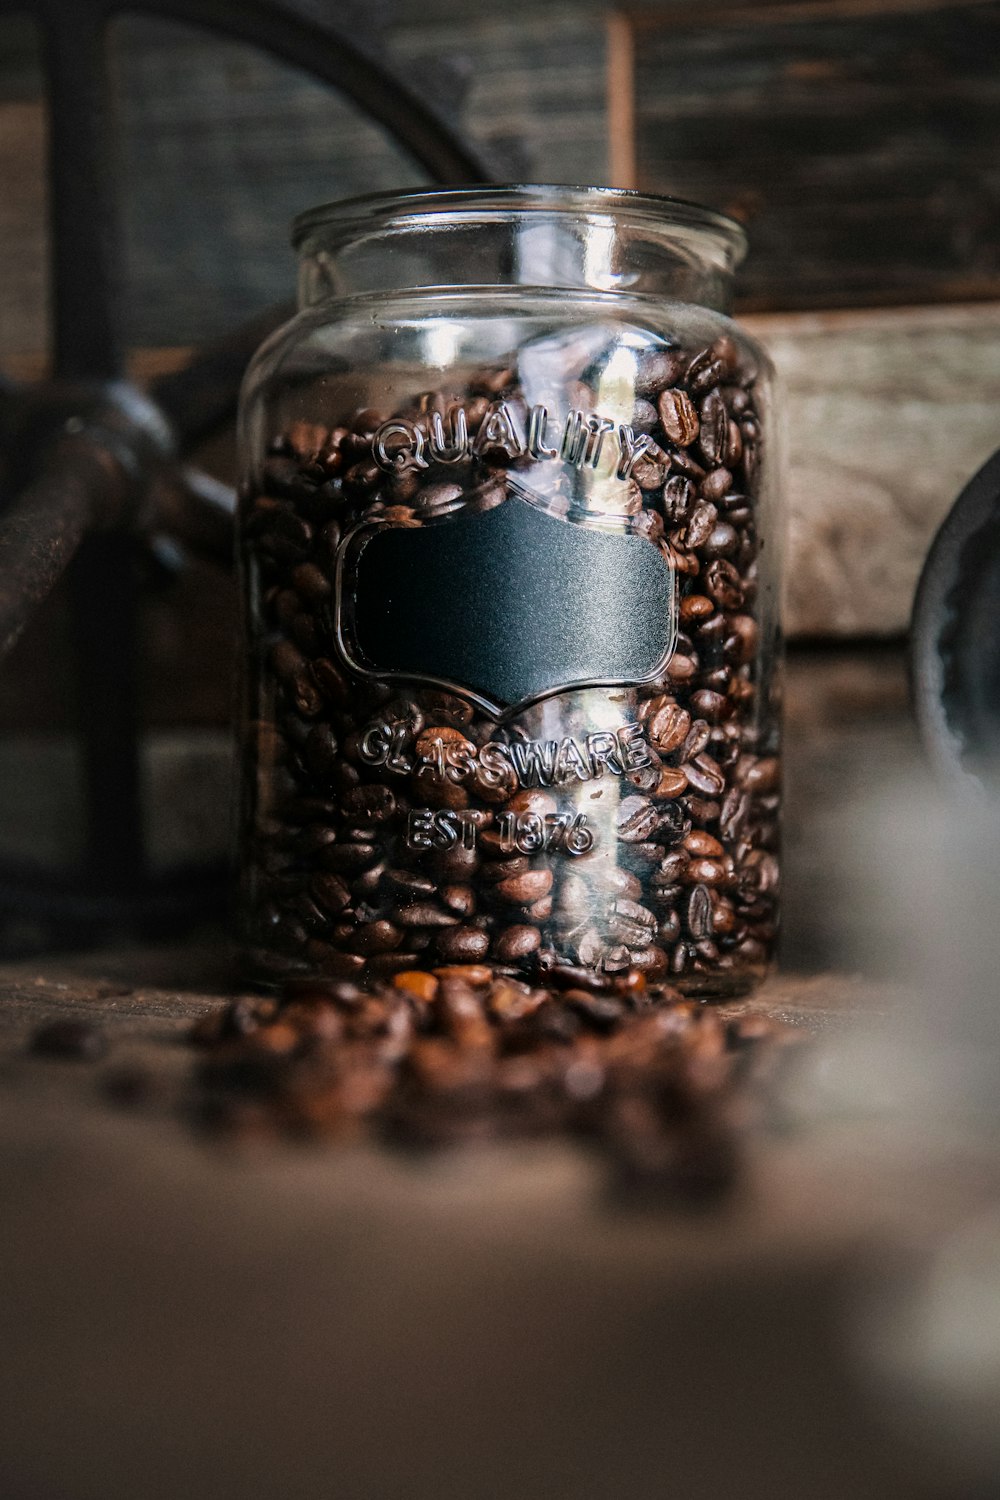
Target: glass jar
510	570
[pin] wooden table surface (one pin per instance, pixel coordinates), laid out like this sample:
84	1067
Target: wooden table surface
180	1317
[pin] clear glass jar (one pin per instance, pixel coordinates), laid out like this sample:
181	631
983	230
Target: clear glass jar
510	570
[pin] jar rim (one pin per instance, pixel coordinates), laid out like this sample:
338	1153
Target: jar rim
347	215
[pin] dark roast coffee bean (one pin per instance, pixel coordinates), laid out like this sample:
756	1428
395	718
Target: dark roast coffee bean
462	945
714	428
516	943
678	416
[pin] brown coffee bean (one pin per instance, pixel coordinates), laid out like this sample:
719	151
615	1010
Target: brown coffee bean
656	370
697	740
699	912
708	705
348	859
714	428
516	943
330	892
461	945
723	583
523	888
762	775
696	607
311	583
374	937
704	871
705	371
423	914
723	541
474	974
679	418
644	416
700	526
543	804
638	819
744	638
668	725
699	842
679	496
650	470
460	899
681	668
672	782
321	749
416	982
705	776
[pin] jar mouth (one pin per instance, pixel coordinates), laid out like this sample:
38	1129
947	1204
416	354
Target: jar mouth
342	219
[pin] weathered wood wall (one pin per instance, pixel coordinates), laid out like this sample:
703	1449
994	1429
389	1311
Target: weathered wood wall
858	141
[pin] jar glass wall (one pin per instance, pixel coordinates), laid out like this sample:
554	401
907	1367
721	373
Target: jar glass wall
509	550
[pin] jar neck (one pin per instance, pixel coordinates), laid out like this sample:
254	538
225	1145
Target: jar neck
570	239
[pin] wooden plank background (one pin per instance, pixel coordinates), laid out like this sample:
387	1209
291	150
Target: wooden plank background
858	142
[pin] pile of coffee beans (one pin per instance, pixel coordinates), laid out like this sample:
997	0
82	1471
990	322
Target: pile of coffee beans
464	1053
393	827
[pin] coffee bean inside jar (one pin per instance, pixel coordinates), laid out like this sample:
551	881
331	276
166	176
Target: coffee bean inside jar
510	593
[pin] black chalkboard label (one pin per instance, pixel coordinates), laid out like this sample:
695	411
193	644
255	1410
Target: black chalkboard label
504	605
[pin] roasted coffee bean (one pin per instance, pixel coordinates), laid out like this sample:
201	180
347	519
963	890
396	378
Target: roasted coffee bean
659	370
638	819
715	486
672	782
330	892
460	899
678	416
667	724
699	912
679	496
705	371
705	776
516	943
723	583
522	889
714	428
695	608
423	914
696	740
462	945
644	418
699	528
708	705
651	469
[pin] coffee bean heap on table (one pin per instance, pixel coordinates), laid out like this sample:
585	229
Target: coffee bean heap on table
334	883
464	1053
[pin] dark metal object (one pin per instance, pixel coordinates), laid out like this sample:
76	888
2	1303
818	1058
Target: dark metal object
955	638
104	470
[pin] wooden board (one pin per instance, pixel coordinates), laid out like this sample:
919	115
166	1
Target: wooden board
859	142
187	1317
887	416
